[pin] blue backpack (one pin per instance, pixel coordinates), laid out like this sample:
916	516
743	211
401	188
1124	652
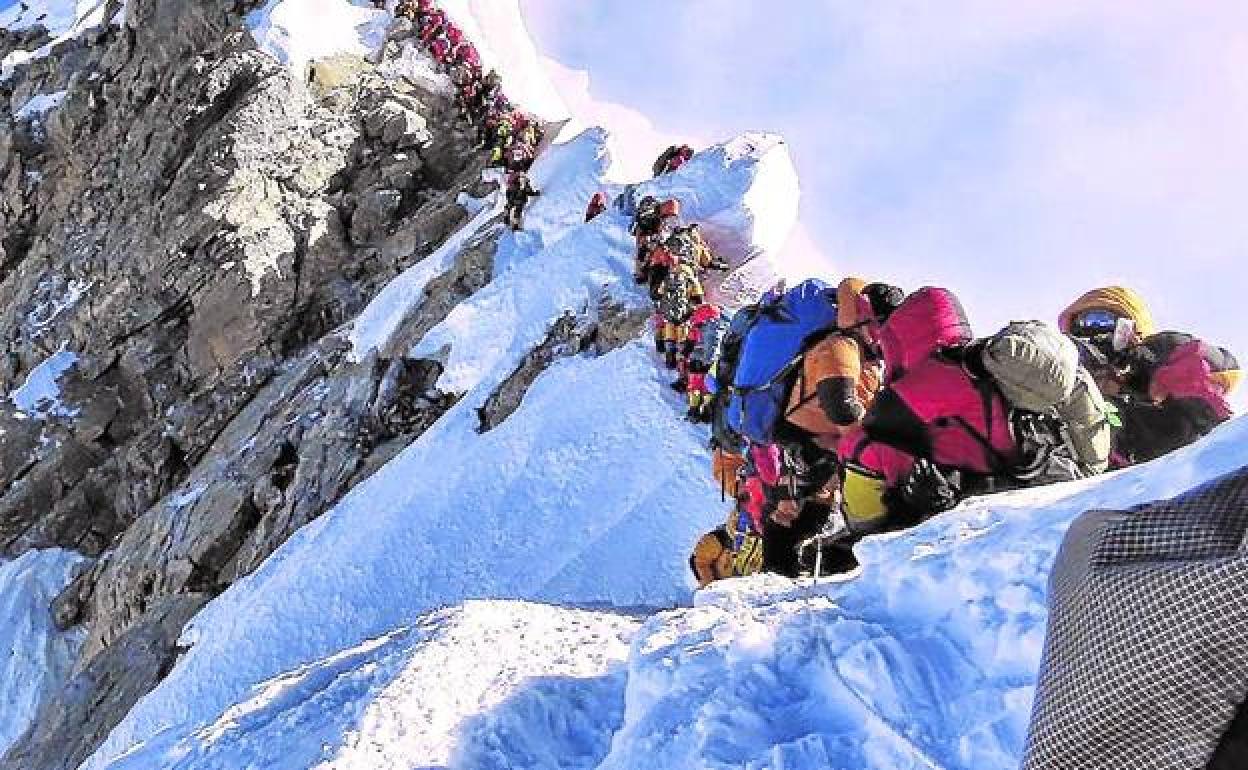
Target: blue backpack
771	353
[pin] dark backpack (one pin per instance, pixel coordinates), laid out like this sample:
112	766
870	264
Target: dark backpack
518	187
660	164
727	356
648	218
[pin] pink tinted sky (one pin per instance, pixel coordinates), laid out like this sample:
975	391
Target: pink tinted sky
1018	153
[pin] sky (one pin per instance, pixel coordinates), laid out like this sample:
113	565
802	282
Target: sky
1018	153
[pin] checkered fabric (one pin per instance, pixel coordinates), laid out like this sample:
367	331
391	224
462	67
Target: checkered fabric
1146	659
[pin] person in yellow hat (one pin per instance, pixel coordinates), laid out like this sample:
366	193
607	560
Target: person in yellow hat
1170	388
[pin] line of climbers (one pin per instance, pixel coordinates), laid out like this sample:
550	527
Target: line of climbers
839	412
512	136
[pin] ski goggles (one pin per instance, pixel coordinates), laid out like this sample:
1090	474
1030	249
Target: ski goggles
1091	323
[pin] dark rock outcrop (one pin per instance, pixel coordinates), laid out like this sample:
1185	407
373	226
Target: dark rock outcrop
196	224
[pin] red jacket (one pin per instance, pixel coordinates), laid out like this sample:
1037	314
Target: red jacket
931	406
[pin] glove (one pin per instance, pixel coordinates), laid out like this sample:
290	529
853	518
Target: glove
926	491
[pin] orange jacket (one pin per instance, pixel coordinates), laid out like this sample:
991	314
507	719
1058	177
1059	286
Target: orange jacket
833	389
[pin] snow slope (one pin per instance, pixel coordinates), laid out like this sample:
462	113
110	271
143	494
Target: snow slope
588	494
487	684
927	659
296	32
35	658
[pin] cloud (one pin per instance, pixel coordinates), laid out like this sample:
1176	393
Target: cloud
634	142
1018	153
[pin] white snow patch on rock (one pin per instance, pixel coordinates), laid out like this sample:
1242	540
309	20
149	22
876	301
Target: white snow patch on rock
63	19
40	395
38	106
297	32
36	657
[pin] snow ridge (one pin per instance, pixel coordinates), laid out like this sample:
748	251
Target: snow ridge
587	495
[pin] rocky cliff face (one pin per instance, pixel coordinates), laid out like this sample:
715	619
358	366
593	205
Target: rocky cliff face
191	222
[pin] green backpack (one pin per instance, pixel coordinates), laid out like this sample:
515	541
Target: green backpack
1036	368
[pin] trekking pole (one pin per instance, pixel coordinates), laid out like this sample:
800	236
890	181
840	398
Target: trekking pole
818	559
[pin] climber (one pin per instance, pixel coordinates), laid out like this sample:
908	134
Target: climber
707	327
501	138
648	219
519	190
659	167
432	26
687	243
802	505
734	549
529	131
768	355
672	159
960	417
467	79
835	382
653	225
646	228
1103	322
454	34
466	55
841	372
683	155
1169	388
518	155
1173	389
678	294
930	422
440	49
597	205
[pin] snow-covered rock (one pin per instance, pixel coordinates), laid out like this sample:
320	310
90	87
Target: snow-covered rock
297	32
36	656
40	395
38	106
62	19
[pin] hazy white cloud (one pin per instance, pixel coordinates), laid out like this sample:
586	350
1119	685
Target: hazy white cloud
1016	152
634	141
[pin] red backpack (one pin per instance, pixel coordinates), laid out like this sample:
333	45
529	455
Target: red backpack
929	319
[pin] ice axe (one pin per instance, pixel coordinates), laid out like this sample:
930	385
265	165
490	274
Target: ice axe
835	530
